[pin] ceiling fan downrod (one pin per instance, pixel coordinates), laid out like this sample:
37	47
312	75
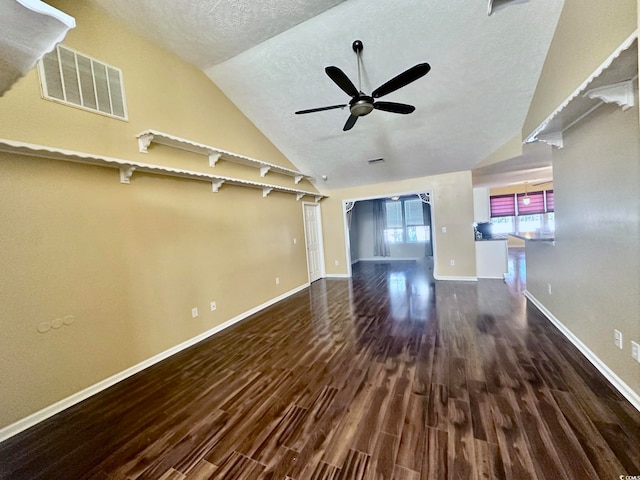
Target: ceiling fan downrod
362	104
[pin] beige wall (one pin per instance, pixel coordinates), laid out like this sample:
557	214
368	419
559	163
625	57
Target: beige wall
594	267
128	262
587	33
452	207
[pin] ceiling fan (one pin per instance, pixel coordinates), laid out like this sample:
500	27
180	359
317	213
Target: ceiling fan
362	104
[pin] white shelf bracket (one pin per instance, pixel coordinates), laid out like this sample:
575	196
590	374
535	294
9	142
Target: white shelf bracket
299	196
553	139
620	93
298	178
318	198
213	158
264	170
144	141
215	185
125	173
266	191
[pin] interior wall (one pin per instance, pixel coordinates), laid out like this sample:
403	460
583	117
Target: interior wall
588	32
127	263
594	268
451	209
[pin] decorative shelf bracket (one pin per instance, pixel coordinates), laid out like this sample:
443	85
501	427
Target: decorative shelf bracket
553	139
213	158
298	178
144	141
264	171
266	191
215	185
317	198
125	173
299	196
620	93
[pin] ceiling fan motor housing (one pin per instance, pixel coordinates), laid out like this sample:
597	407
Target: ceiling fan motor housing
361	105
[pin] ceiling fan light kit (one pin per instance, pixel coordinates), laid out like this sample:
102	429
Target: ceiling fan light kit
362	104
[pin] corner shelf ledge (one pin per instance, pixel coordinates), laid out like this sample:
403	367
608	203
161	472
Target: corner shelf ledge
611	82
127	168
146	138
28	30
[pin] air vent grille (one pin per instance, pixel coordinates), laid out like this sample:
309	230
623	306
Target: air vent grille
78	80
375	160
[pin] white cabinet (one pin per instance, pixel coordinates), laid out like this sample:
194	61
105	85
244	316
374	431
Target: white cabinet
491	258
481	205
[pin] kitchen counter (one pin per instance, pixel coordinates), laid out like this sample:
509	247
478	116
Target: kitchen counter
535	237
492	238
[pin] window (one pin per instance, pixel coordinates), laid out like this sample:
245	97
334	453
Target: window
406	221
502	206
503	225
75	79
510	214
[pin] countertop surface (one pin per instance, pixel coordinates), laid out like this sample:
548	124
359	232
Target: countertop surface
535	237
491	238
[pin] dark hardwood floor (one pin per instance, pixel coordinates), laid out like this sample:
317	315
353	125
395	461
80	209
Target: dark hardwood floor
388	375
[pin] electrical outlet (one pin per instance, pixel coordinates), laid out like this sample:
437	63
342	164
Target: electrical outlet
295	241
337	262
635	350
213	306
549	288
444	229
194	312
277	280
452	262
617	338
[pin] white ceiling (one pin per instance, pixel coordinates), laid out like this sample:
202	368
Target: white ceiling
269	57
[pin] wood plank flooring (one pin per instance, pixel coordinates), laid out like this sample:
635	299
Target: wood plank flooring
388	375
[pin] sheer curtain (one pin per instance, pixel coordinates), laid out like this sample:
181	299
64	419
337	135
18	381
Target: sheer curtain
380	244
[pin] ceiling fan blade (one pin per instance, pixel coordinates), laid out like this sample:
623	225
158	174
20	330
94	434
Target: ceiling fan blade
311	110
351	121
399	81
340	79
394	107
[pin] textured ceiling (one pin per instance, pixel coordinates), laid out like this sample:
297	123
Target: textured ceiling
269	57
206	32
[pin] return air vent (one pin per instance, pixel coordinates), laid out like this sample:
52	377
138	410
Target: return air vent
375	160
75	79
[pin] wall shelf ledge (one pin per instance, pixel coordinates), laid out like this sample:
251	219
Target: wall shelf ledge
146	138
611	82
127	168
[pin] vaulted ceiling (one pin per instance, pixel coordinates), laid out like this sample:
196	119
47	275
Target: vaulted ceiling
269	58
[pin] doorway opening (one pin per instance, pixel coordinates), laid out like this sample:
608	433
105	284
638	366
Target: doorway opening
391	228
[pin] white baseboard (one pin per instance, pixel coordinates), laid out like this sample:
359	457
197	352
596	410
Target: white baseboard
617	382
455	279
338	275
51	410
